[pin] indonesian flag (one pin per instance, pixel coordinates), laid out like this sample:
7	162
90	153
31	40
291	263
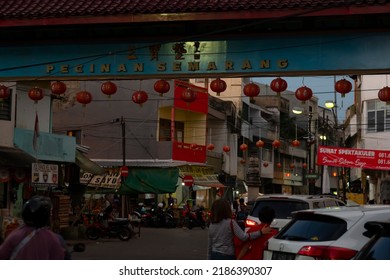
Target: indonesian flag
36	132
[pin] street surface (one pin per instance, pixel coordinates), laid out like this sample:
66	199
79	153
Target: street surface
154	244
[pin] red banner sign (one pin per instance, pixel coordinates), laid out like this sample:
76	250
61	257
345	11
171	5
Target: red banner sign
355	158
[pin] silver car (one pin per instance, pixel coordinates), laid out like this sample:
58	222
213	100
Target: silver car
324	234
285	205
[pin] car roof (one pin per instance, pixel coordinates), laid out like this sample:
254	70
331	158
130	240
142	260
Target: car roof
306	197
346	212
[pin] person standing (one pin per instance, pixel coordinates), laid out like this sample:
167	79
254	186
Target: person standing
223	228
34	240
254	249
171	201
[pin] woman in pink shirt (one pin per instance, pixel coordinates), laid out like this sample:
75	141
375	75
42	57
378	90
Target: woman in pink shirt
34	240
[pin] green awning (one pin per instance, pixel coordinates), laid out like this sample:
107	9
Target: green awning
150	180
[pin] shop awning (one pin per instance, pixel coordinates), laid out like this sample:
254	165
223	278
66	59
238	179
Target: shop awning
14	157
88	165
151	180
204	176
210	181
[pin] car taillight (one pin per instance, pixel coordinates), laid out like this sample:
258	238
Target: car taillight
327	252
250	223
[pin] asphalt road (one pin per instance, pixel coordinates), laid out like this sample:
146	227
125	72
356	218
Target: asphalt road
153	244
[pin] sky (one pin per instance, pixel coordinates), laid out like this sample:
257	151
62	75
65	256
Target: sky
323	89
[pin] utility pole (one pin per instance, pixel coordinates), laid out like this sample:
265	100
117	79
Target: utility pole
123	125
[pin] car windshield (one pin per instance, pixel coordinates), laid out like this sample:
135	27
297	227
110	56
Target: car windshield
283	208
314	228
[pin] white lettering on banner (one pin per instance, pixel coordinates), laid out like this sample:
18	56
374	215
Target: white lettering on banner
363	153
343	161
111	180
328	151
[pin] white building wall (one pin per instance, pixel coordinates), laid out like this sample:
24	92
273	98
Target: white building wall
370	86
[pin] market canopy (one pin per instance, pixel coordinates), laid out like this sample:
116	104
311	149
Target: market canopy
151	180
139	180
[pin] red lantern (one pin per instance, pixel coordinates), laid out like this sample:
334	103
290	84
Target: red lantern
161	86
243	147
251	90
292	165
278	85
58	88
343	86
109	88
218	86
242	161
260	144
210	147
35	94
278	165
384	94
139	97
265	164
226	149
276	143
194	146
295	143
303	93
84	97
4	92
304	165
188	95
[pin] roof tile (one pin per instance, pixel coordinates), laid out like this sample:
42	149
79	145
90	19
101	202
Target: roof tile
30	9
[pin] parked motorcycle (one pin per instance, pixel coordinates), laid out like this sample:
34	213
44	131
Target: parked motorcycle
196	218
118	228
157	217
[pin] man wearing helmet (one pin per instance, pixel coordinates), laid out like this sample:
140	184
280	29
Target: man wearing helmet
34	240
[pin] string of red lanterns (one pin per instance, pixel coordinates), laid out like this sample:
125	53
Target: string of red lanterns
4	92
84	97
58	88
243	147
108	88
161	86
35	94
278	85
384	95
218	86
210	147
251	90
260	144
139	97
276	143
343	86
188	95
303	93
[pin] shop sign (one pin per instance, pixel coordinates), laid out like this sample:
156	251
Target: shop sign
354	158
44	175
110	180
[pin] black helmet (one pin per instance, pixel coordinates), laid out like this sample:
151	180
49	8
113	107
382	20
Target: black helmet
36	211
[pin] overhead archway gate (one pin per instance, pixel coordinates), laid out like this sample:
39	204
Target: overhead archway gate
291	55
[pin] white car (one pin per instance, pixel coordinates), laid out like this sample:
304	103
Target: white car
324	234
285	205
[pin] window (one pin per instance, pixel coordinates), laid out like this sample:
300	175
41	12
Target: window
165	130
76	134
378	116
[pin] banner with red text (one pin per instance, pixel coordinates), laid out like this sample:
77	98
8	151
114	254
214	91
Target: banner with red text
355	158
